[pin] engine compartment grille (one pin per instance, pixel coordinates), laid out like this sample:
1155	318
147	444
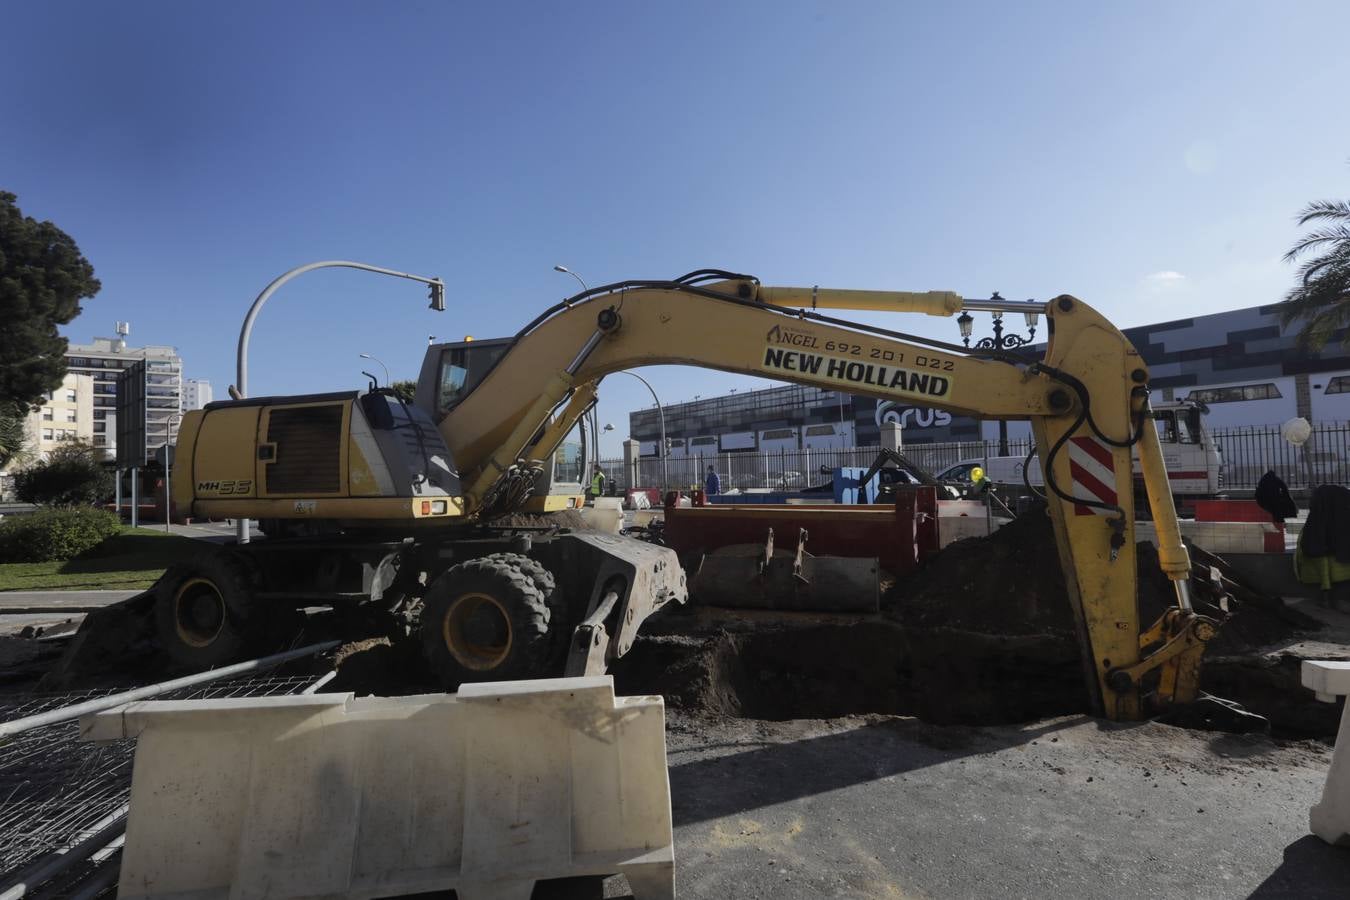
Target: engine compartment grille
308	450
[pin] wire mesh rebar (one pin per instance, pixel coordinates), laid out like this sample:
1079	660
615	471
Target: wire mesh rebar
54	788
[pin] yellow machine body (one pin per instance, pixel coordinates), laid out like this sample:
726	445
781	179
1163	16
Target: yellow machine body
332	457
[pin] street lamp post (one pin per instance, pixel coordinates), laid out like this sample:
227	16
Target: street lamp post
382	366
240	387
567	271
661	415
999	341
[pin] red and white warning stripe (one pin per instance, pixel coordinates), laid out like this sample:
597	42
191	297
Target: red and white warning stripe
1093	470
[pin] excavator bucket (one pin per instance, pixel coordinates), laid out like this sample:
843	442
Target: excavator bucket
749	576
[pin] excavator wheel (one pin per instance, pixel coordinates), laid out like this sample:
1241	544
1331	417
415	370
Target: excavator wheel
205	614
557	623
489	619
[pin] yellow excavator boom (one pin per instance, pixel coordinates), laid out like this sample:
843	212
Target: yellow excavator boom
1087	401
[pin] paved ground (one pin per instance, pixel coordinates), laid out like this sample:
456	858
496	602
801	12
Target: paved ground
57	600
887	807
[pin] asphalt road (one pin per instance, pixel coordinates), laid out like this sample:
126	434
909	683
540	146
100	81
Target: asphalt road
888	807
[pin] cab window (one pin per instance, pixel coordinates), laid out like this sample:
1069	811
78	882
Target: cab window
462	368
1166	423
1188	426
453	376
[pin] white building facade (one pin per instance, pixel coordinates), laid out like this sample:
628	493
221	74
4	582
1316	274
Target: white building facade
103	361
196	394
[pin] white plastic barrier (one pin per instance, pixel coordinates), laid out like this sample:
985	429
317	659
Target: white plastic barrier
605	515
1330	819
326	795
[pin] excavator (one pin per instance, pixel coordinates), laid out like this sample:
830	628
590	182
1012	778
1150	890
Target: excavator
437	510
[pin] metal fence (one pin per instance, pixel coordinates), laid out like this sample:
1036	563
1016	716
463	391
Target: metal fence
787	470
1248	453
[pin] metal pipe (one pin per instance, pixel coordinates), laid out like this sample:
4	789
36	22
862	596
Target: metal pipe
314	688
241	358
104	877
104	831
1011	306
98	704
585	351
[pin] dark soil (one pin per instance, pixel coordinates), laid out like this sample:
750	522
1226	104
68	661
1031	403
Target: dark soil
1012	583
563	518
983	634
941	675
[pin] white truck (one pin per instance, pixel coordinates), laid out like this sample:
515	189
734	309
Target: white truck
1194	461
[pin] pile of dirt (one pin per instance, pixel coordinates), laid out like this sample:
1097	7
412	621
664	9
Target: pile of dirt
1011	582
571	519
983	634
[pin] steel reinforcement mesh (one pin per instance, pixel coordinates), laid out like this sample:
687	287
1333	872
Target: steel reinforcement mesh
55	789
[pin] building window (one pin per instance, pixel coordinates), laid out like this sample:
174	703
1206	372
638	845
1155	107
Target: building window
818	430
78	361
70	415
779	433
70	396
1237	393
1339	385
47	414
46	434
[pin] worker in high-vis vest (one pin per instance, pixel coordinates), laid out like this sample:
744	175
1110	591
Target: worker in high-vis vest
597	483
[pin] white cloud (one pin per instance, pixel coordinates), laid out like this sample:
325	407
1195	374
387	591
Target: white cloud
1163	279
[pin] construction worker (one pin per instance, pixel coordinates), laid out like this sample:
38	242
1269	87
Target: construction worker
597	482
712	484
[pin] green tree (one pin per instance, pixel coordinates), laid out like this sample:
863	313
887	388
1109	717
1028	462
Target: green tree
70	476
43	278
12	437
1321	299
405	389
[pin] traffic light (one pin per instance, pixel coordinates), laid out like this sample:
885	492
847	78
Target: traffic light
436	294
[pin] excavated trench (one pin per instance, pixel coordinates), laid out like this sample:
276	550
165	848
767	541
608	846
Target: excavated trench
822	671
984	634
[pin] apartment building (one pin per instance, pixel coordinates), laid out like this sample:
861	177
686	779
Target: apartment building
103	361
65	414
196	394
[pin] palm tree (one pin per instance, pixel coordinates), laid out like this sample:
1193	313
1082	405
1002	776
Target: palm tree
1322	296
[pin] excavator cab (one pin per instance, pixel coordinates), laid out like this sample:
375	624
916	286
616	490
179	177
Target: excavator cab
451	371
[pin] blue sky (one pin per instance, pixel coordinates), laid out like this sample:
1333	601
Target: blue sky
1146	157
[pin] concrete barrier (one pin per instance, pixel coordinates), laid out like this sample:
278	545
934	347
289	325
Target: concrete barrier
1330	819
484	791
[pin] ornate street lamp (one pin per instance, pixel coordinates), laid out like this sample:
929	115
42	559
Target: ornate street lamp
999	341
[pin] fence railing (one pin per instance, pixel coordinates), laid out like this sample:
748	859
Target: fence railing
1248	453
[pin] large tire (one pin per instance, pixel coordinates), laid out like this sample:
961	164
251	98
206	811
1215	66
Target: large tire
205	611
558	624
489	619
